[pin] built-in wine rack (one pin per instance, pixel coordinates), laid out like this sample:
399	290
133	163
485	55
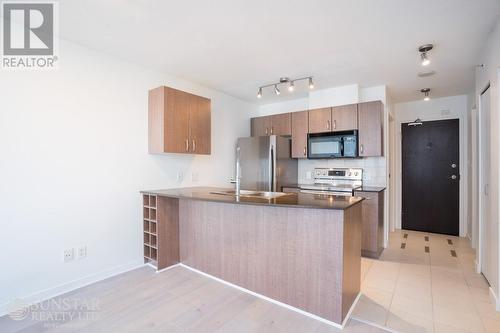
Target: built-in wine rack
150	204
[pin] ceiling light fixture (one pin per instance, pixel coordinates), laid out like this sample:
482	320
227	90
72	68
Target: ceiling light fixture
417	122
423	53
285	80
426	92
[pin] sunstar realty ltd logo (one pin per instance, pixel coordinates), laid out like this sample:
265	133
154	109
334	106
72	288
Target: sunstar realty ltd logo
28	32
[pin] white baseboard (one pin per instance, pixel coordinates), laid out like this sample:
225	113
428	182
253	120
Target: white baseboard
289	307
55	291
495	299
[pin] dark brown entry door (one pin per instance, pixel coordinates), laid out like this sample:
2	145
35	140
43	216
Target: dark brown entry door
431	177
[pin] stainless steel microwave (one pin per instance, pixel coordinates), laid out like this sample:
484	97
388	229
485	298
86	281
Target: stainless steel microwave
332	145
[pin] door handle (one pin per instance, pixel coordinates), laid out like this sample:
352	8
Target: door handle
194	145
187	145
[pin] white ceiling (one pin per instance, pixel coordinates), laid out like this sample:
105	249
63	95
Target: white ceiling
235	45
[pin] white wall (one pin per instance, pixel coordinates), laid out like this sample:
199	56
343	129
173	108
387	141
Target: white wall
74	158
490	73
454	107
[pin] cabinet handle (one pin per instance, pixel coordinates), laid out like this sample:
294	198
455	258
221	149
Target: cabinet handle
328	124
272	129
334	124
361	149
194	145
267	131
187	145
304	151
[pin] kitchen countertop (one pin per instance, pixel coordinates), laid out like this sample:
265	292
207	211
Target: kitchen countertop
370	189
297	200
360	189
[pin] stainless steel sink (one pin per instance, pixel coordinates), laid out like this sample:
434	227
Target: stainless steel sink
257	194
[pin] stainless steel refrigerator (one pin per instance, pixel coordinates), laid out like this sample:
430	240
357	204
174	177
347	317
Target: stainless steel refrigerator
266	163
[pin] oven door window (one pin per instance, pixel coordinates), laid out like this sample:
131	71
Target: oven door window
324	147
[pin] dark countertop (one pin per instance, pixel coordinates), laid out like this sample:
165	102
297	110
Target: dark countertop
370	189
297	200
361	189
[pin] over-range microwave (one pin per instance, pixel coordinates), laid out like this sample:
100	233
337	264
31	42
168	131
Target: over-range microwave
332	145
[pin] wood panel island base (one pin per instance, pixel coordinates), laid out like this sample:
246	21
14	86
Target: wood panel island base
301	250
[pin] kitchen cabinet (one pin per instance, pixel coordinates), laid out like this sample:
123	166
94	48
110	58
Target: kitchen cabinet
345	118
300	126
370	134
278	124
320	120
372	242
178	122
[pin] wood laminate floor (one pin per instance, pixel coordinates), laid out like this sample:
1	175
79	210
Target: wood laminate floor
175	300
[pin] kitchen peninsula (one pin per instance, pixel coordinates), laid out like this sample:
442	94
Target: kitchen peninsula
302	250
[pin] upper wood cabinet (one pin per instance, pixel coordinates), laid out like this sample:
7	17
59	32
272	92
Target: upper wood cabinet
178	122
370	125
278	124
300	125
345	118
320	120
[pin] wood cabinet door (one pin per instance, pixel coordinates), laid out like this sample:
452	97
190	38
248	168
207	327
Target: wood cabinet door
320	120
199	125
261	126
281	124
300	125
370	122
345	118
177	109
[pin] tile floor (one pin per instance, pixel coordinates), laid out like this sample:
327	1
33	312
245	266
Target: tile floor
411	290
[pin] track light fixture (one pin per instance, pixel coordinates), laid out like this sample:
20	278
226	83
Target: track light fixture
285	80
426	92
423	53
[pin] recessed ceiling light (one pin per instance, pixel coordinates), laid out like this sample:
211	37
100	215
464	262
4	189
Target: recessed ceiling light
426	92
423	53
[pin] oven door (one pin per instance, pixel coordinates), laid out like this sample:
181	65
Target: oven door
337	193
324	146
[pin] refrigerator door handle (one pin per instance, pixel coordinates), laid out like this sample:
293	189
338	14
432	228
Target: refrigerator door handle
272	170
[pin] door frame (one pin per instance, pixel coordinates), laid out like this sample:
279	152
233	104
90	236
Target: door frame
463	192
480	188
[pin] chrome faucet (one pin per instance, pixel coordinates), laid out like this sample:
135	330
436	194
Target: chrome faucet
237	180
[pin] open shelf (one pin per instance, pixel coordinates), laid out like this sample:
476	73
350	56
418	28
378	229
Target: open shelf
152	227
150	237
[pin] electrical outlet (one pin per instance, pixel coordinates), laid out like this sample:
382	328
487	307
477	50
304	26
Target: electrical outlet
82	252
179	176
68	255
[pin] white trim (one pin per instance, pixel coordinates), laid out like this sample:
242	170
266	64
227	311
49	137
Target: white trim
495	299
166	268
64	288
289	307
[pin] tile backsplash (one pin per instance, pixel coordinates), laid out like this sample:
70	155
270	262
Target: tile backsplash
374	168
